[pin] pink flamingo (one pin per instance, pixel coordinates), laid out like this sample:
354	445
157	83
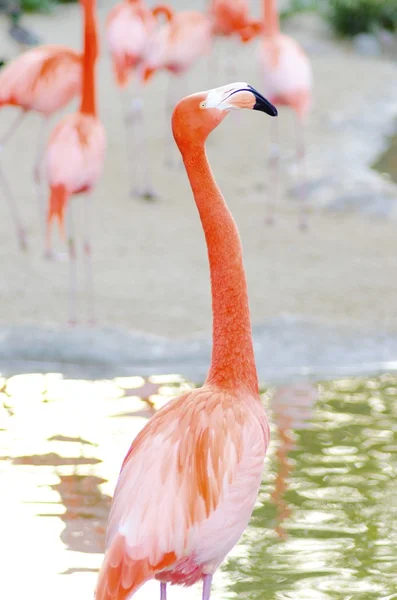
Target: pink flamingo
288	82
74	159
231	18
129	27
176	47
43	80
189	482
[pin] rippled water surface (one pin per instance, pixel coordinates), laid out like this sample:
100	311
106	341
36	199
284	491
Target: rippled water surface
325	526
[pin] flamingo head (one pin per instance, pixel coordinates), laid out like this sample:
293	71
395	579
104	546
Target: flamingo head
196	116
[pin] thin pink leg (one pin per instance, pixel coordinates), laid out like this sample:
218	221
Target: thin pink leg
273	188
12	129
302	186
163	591
172	156
169	106
10	199
72	267
207	587
37	174
89	279
141	157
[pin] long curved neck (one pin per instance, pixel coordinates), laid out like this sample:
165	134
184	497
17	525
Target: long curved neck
233	361
88	97
271	25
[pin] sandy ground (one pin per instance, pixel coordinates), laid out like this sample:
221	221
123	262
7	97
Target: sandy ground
150	261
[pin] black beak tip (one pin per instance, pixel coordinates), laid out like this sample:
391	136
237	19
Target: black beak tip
263	105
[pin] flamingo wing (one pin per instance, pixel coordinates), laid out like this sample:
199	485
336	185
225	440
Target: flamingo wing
176	475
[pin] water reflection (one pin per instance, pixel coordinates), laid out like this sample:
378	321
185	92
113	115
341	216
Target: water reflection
325	525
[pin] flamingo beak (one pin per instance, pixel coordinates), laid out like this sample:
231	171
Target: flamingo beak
262	104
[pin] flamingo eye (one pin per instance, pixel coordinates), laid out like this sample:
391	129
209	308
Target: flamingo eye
203	104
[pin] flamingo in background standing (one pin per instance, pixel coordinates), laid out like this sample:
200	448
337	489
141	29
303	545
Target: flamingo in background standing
287	77
129	27
231	18
74	160
190	480
176	46
44	80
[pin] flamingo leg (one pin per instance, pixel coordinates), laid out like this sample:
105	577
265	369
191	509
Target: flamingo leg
163	591
207	587
274	174
72	267
10	199
37	174
136	118
169	100
172	158
12	129
89	279
40	147
302	187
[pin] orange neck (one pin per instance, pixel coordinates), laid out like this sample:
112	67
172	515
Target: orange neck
233	361
88	98
271	24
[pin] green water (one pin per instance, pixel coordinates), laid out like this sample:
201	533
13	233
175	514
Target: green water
339	499
325	525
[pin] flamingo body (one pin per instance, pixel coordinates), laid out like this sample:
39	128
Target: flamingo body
74	157
44	79
204	451
287	73
128	28
232	17
179	43
189	482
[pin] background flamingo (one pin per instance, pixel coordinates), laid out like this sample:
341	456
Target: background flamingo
176	46
74	160
199	459
129	27
287	79
231	18
43	80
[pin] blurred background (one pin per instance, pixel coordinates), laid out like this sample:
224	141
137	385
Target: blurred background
322	301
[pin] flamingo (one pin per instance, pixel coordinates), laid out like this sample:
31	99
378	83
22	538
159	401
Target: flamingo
190	479
74	160
176	47
44	80
231	18
129	27
287	77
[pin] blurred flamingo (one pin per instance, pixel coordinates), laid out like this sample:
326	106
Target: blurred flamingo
44	80
176	46
74	161
288	82
231	18
129	27
189	482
